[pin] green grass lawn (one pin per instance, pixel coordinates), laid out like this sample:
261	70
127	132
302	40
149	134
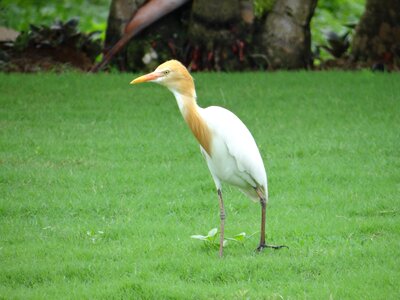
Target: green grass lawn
102	185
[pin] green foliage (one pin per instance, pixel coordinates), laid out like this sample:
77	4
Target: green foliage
330	15
102	183
263	6
57	35
333	16
19	14
210	240
240	238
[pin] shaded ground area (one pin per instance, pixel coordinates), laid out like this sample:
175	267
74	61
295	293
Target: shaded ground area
63	58
50	59
43	48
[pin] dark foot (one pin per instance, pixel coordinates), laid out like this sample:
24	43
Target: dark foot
263	246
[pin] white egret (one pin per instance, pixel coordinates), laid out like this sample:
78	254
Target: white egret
227	145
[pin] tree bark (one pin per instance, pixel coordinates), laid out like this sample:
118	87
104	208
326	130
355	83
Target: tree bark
164	39
121	12
286	34
219	33
377	38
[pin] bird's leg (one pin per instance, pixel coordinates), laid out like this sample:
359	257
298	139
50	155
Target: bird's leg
263	203
262	245
222	218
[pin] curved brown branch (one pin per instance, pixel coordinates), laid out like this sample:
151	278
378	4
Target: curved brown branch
145	16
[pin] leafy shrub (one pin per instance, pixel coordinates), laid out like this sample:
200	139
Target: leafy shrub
263	6
59	34
18	14
334	16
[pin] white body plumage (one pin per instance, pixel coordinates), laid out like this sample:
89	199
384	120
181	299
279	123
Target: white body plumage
235	158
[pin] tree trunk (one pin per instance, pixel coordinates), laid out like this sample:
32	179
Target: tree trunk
219	32
216	35
377	38
286	34
121	12
164	39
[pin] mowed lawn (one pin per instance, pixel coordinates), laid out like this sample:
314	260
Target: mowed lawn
102	185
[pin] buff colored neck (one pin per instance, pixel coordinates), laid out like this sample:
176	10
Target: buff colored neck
191	113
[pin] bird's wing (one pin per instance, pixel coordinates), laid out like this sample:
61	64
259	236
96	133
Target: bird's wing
239	142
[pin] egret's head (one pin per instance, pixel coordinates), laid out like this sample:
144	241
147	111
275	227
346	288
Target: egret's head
171	74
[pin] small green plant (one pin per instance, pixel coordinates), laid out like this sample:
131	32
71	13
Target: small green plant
95	236
210	240
241	238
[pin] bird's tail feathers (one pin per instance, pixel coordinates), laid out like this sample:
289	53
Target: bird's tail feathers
262	190
254	193
251	193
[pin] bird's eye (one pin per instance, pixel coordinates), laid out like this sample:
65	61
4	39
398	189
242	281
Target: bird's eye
166	72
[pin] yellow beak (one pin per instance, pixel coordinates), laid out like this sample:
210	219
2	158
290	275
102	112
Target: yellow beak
145	78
